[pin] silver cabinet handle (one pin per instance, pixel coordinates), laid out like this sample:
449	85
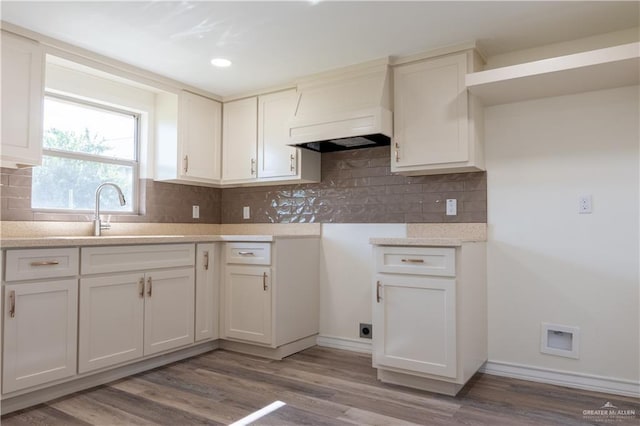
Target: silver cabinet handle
45	263
253	166
246	253
150	289
186	164
397	151
12	303
292	158
264	281
378	286
141	287
412	260
206	260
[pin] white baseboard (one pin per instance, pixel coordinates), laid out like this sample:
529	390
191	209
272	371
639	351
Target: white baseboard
518	371
563	378
344	343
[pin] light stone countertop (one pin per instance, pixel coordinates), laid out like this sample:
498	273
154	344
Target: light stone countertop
82	241
437	242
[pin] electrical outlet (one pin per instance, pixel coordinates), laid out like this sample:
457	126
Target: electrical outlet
246	212
365	330
196	212
452	207
584	204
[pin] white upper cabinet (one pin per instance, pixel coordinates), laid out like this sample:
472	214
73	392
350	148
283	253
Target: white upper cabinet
436	122
255	142
22	101
240	132
199	126
276	159
188	135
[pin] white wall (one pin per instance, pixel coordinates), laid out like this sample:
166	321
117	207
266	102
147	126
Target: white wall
546	262
346	276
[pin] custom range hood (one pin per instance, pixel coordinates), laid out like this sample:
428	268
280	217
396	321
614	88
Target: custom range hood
344	109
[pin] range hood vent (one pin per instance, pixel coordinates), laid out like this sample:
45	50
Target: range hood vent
344	109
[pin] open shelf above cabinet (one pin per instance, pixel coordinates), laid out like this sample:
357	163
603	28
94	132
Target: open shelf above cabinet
606	68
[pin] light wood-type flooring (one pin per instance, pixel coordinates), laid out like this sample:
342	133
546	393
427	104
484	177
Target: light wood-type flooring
320	386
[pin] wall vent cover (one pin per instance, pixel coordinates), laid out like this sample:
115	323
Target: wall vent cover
560	340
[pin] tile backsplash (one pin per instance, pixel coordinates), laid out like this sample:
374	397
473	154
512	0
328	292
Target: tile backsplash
160	202
357	187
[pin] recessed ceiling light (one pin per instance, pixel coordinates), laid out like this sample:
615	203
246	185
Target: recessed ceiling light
220	62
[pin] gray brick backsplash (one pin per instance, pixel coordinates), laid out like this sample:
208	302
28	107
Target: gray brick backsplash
357	187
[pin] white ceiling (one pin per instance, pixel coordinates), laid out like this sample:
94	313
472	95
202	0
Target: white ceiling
272	43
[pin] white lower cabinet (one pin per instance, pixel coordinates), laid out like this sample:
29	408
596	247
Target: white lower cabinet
40	317
125	316
408	305
111	320
168	310
429	315
270	296
248	303
207	292
40	328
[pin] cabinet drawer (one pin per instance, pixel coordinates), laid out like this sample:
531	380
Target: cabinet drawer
32	264
438	261
248	253
98	260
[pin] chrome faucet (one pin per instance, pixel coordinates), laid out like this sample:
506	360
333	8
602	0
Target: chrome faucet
98	226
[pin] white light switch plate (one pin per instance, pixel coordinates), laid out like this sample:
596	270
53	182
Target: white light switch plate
196	212
246	212
452	207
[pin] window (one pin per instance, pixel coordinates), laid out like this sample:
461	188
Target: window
84	145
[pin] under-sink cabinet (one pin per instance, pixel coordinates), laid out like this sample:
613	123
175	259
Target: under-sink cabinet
40	317
124	316
429	315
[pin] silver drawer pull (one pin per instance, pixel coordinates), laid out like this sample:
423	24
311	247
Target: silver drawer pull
412	260
246	253
45	263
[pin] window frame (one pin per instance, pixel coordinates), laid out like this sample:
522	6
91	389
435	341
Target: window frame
74	155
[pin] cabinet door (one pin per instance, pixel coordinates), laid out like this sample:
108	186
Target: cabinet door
239	143
206	292
111	320
22	101
431	115
40	329
275	157
168	310
199	126
248	310
414	323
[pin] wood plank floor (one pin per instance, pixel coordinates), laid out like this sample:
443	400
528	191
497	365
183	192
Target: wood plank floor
320	386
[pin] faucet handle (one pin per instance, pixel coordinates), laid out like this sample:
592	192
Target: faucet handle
106	224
